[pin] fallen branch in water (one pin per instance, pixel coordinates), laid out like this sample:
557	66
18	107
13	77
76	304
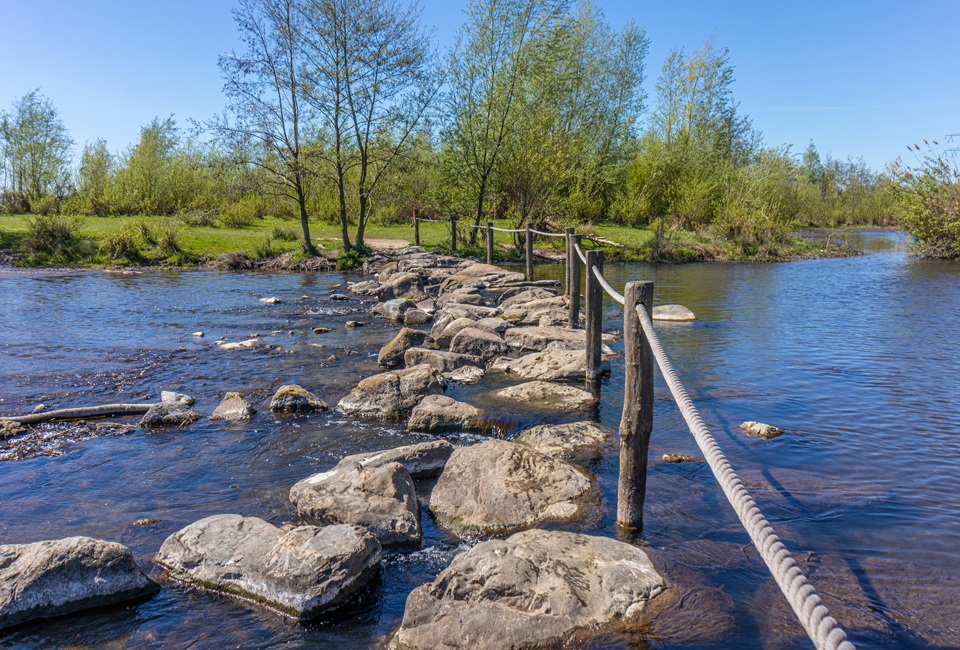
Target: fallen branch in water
77	413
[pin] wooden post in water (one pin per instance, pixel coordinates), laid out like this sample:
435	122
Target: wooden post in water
453	235
489	242
594	309
636	422
568	240
529	253
574	318
416	228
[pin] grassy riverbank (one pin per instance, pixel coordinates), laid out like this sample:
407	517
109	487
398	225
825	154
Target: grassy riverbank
163	241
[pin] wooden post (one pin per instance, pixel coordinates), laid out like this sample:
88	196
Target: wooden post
529	253
637	420
416	228
568	240
453	235
574	319
594	309
489	242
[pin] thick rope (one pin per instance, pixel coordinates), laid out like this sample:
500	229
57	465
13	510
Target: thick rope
432	220
822	629
548	234
506	230
603	283
583	258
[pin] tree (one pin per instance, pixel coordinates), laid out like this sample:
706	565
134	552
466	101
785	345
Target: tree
94	177
36	150
486	79
368	76
270	122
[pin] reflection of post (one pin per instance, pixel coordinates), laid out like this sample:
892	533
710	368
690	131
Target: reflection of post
636	422
594	307
529	253
416	228
574	319
489	242
453	235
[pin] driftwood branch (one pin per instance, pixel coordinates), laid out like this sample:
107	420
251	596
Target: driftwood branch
77	413
602	240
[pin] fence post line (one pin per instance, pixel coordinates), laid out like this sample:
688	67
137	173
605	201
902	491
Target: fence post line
574	320
416	229
568	240
453	235
636	423
594	309
489	242
529	249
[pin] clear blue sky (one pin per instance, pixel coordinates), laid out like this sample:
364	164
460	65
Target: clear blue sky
859	78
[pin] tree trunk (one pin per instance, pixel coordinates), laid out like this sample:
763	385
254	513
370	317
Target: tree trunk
304	223
344	232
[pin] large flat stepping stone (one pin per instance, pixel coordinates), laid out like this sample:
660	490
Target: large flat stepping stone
402	285
442	414
57	577
424	459
299	572
440	360
534	589
549	365
477	342
499	485
543	394
382	499
565	440
392	394
538	338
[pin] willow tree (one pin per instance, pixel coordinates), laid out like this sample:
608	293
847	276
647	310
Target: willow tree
369	76
271	122
35	148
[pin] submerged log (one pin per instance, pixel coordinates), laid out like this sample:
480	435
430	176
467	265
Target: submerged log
81	412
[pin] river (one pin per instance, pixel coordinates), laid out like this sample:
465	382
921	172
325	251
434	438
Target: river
858	359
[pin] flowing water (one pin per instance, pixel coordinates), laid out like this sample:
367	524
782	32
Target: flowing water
856	358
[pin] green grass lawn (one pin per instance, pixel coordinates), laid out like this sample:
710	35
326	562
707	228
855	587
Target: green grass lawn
271	235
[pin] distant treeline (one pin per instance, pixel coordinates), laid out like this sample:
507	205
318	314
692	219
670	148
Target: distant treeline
538	115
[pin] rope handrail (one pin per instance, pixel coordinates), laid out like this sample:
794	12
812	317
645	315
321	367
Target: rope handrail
822	628
583	258
463	223
606	285
548	234
505	230
431	220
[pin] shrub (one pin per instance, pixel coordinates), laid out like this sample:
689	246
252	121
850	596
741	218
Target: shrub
929	199
282	234
167	241
54	235
352	259
265	249
197	218
123	245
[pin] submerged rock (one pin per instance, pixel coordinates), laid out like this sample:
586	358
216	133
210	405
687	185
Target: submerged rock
167	414
678	458
423	459
543	394
441	414
499	485
563	440
56	577
672	312
549	365
10	428
233	407
761	430
392	393
300	572
254	342
292	398
532	590
381	498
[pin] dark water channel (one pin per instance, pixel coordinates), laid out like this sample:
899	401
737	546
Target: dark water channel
856	358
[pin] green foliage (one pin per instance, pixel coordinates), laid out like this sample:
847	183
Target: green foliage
197	218
283	234
929	200
353	259
54	236
123	246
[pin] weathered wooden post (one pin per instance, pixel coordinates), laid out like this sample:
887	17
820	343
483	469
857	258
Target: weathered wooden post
594	309
489	242
453	235
416	228
529	253
568	240
636	422
574	318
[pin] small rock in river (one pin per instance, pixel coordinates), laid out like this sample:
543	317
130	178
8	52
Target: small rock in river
339	296
761	430
146	522
270	301
673	312
304	297
197	334
233	407
350	324
167	414
293	398
39	407
169	397
321	330
678	458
